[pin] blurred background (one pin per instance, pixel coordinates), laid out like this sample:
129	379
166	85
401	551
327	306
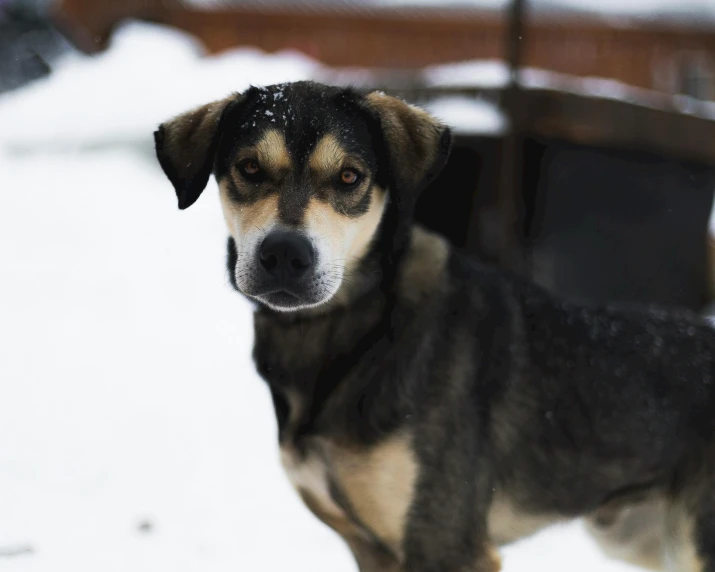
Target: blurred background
134	433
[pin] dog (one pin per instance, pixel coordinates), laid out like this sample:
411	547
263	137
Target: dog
432	409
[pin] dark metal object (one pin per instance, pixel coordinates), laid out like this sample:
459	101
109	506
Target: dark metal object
511	251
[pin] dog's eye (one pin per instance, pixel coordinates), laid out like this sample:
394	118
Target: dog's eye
250	168
349	177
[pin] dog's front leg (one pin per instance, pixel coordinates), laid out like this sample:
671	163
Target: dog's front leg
430	546
467	555
371	557
447	525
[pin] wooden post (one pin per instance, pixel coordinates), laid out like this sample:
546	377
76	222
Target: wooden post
511	200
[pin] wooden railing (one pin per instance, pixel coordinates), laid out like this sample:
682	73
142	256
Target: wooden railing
649	55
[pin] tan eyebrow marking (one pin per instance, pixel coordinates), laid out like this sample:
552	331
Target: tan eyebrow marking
327	156
271	152
241	219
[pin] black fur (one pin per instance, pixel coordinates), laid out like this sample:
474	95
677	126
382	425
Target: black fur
509	395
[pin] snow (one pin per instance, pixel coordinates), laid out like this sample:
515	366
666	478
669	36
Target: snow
644	8
471	73
150	74
468	115
494	74
128	391
135	434
533	78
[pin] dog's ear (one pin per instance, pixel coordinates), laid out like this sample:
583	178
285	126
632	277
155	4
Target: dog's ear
186	146
418	144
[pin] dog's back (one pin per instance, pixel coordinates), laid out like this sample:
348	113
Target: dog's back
596	411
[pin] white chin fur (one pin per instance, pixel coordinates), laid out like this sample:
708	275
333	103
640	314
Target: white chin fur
288	309
324	297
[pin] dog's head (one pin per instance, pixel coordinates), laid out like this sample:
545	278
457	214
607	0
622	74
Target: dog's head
306	174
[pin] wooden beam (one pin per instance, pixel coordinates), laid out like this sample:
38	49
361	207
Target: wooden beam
619	124
655	125
412	37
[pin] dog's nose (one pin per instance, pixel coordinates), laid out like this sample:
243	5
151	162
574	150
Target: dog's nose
286	254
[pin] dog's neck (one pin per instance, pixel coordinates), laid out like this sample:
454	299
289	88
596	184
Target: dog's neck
305	358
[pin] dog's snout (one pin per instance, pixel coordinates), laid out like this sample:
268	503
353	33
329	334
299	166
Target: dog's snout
286	254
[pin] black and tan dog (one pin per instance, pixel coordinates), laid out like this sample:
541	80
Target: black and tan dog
431	409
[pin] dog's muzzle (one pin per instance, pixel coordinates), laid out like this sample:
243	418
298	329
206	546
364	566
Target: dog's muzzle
286	261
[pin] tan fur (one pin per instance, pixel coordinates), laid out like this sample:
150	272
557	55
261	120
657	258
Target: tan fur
327	157
296	408
366	226
338	522
309	475
680	551
243	219
632	532
653	534
248	224
411	130
187	137
508	523
424	265
326	161
271	152
378	483
345	238
370	558
490	561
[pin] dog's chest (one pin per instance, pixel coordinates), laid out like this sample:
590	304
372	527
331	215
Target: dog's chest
309	473
356	490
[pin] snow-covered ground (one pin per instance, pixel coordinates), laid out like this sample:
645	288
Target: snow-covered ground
134	433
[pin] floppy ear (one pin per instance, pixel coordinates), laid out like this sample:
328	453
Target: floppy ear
186	146
417	143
